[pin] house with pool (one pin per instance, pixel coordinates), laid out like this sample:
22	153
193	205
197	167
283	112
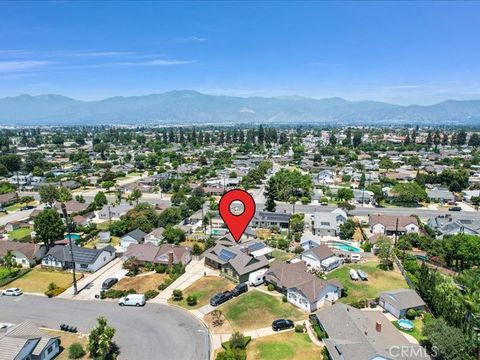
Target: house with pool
321	258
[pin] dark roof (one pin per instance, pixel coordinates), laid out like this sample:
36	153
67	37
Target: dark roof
322	252
80	254
137	234
403	298
272	216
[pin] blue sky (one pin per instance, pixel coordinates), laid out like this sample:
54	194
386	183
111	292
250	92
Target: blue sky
398	52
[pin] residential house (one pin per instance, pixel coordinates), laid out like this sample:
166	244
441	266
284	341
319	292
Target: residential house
166	254
353	334
398	302
440	195
136	236
304	290
321	258
8	199
72	206
25	341
328	223
236	262
89	260
155	236
390	225
26	254
324	177
113	212
446	225
265	220
362	196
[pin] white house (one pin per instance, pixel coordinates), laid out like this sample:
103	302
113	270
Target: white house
136	236
313	294
321	257
89	260
154	237
328	223
389	225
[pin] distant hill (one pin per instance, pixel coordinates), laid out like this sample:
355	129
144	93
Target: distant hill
190	107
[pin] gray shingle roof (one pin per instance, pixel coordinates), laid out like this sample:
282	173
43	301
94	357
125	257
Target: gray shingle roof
403	298
80	254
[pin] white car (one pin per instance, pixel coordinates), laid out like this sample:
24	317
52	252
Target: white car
12	292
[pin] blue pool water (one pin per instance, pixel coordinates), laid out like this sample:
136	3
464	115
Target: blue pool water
345	247
405	324
72	236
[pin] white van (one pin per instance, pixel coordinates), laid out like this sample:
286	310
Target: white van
132	300
354	275
257	277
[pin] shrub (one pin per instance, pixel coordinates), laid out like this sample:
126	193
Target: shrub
116	294
270	287
299	328
161	268
284	298
162	286
319	332
150	294
177	295
54	290
411	314
75	351
191	300
359	304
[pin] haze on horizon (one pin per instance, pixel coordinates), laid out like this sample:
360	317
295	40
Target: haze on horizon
397	52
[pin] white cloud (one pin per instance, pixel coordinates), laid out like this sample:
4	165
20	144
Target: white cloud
194	39
401	87
21	66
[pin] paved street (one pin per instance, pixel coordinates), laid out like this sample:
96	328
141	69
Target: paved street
153	332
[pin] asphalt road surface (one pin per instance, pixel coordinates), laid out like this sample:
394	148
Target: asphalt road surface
152	332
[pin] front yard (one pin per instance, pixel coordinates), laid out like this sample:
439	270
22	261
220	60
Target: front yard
19	233
37	280
141	283
67	339
257	310
204	289
378	281
287	345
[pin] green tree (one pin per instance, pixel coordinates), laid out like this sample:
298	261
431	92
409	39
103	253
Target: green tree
100	341
270	204
9	260
100	199
347	229
49	226
409	193
385	253
173	235
49	194
345	194
135	195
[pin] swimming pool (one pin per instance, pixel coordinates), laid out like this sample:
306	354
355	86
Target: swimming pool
344	246
72	236
405	324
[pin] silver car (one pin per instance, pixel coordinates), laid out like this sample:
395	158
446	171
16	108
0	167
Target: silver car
12	292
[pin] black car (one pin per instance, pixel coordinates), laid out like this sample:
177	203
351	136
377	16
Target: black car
240	289
220	298
27	207
455	208
107	284
282	324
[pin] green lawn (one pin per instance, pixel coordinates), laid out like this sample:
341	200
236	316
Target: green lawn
417	330
19	233
3	272
37	280
378	281
281	255
204	289
283	346
256	310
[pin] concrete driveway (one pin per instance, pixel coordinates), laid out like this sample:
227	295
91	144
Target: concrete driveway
152	332
91	284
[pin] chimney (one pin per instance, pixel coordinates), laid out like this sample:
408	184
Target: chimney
170	259
378	326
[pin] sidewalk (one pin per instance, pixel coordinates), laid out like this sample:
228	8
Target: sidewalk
194	271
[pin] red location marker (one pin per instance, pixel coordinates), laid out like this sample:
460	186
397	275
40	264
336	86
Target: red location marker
236	223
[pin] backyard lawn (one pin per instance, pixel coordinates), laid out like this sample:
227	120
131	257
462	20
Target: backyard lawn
67	339
280	255
141	283
37	280
19	233
257	310
204	289
378	281
417	330
287	345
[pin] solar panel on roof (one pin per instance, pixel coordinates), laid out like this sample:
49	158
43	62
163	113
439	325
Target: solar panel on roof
226	255
255	246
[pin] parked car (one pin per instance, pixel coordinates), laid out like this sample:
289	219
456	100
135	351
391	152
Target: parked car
27	207
362	275
108	283
282	324
220	298
353	275
132	300
240	289
455	208
12	292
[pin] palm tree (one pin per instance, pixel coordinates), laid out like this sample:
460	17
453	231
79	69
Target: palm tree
9	261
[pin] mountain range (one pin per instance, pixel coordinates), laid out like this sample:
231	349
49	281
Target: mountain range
186	107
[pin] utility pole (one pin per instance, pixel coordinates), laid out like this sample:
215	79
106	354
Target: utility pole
69	231
396	232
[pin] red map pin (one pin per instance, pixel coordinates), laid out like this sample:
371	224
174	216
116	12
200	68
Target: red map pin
236	223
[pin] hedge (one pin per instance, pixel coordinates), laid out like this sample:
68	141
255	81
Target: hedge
13	276
116	294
